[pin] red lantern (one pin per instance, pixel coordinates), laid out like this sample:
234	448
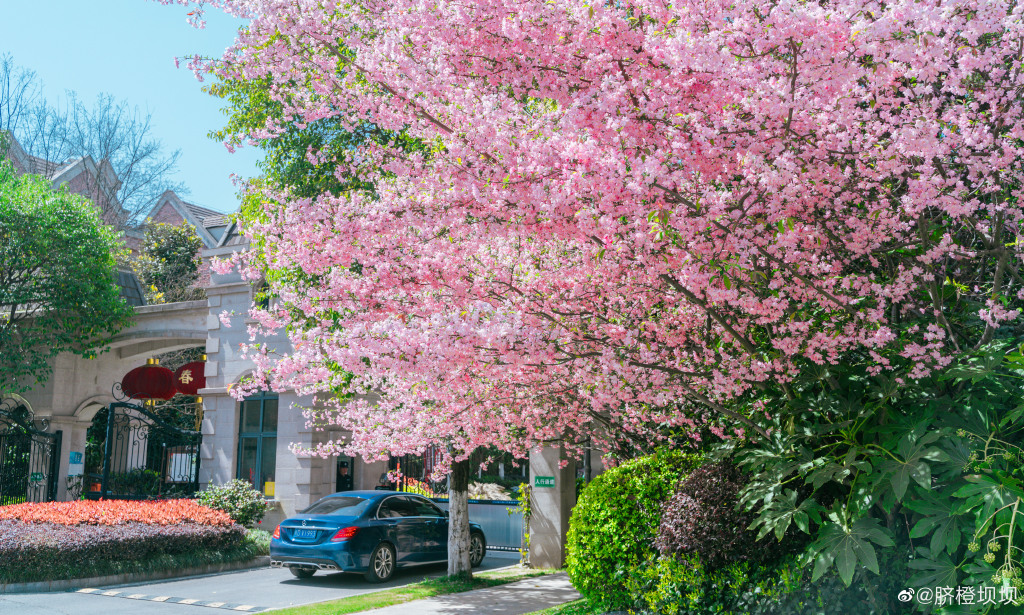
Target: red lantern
191	377
151	381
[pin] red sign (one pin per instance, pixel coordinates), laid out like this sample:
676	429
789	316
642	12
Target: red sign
191	377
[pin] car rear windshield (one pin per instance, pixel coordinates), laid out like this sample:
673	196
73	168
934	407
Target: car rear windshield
347	506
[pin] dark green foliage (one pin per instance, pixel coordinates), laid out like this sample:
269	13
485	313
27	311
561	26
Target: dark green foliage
168	265
614	524
683	586
57	272
139	482
238	499
867	464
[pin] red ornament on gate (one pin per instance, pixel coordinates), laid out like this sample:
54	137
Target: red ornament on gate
191	377
151	381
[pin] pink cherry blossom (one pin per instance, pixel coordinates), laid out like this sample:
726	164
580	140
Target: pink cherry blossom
632	214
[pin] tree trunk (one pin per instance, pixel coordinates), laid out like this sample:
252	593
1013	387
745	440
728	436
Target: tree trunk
458	519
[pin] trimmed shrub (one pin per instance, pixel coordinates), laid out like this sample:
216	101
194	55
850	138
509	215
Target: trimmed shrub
710	564
51	550
701	519
115	512
614	524
238	499
670	585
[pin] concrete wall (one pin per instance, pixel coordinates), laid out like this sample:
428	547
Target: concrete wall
299	480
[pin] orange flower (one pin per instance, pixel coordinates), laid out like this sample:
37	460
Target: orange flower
116	512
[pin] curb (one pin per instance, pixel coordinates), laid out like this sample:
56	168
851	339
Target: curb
130	578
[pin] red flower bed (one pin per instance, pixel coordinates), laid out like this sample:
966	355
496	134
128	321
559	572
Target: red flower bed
116	512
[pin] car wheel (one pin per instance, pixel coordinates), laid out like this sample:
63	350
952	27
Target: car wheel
477	549
382	563
303	573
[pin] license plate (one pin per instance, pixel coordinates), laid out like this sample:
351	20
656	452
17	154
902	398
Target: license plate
305	534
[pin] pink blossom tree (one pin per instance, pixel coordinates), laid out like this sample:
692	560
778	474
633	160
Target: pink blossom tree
629	215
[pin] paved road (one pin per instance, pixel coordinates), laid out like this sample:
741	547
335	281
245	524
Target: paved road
511	599
246	591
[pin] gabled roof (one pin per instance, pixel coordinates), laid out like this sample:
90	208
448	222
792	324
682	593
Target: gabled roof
232	236
62	172
218	220
200	212
191	213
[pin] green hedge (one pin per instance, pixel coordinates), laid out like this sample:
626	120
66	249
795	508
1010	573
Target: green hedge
32	552
615	522
673	585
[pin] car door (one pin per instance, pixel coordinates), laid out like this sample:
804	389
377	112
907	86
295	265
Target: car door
399	514
434	528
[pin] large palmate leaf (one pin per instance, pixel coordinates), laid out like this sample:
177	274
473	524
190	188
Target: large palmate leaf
934	572
989	493
848	545
912	453
946	519
779	514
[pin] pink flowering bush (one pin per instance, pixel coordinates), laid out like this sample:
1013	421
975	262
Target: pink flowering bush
590	219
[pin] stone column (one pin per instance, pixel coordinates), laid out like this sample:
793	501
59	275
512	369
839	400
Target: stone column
73	434
554	495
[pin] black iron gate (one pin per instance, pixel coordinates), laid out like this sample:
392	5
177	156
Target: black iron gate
29	457
146	457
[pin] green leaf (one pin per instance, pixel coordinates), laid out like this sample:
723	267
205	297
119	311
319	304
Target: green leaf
914	450
846	561
943	517
847	546
1013	416
935	572
777	515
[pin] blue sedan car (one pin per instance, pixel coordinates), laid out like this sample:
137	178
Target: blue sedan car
372	532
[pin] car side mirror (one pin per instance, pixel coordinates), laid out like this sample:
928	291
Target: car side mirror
445	513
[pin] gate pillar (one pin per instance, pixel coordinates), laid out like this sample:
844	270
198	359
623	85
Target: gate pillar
73	440
554	495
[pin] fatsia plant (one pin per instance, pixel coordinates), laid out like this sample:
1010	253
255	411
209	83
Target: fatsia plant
934	464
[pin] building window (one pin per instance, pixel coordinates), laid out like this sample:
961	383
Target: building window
262	296
257	441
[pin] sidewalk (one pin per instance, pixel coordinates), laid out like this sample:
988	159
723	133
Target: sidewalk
512	599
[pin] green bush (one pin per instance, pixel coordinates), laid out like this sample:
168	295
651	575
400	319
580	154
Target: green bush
137	482
615	522
682	585
238	499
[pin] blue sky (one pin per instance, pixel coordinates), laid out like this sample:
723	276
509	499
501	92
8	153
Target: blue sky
127	48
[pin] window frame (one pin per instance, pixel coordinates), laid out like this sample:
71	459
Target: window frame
263	397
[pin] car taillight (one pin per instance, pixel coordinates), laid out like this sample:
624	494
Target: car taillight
344	534
277	532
